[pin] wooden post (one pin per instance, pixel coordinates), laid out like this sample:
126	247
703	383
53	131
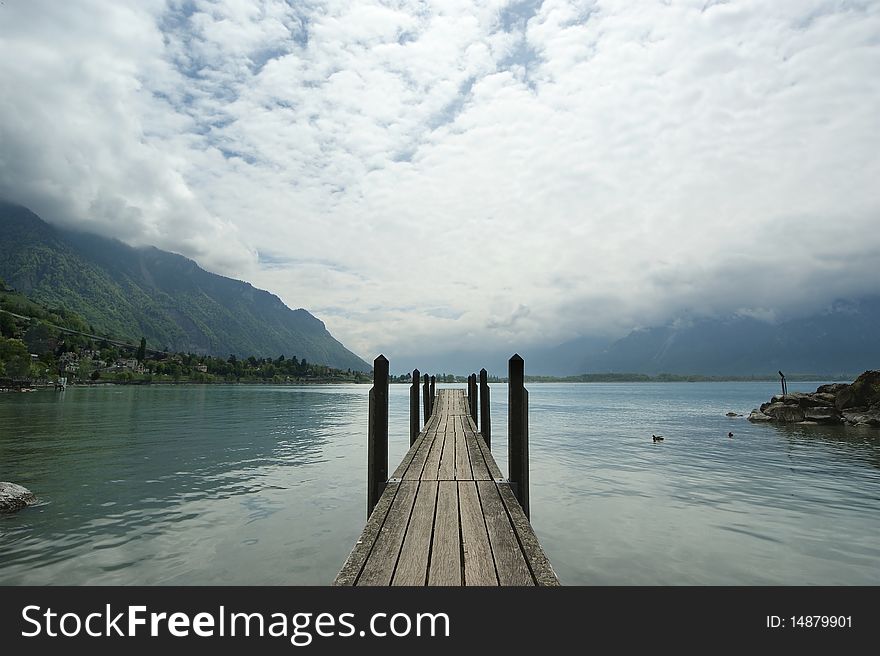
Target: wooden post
377	434
426	391
518	431
485	417
433	392
414	425
474	398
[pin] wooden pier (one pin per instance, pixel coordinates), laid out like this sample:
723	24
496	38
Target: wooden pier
447	516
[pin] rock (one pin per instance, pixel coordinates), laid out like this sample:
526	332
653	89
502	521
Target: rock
771	408
857	404
852	417
845	398
14	497
865	390
831	388
757	415
823	415
785	413
862	417
788	399
810	400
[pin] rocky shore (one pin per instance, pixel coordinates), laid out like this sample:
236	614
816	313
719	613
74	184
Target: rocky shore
855	404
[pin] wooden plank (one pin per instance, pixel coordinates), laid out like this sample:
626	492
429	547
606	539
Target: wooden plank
446	545
407	459
463	469
412	566
492	466
510	563
379	567
479	567
417	463
460	403
432	422
432	463
446	471
478	462
353	565
537	560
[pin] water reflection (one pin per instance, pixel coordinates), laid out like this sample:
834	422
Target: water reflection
128	475
861	443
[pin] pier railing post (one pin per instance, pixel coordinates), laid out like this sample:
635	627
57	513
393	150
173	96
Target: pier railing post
426	391
433	392
518	431
377	434
414	425
472	396
485	417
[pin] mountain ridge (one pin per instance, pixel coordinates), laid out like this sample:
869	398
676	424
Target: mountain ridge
841	339
163	296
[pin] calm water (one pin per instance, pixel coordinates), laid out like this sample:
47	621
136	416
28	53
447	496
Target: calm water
265	485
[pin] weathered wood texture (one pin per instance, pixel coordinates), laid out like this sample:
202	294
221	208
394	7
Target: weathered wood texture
447	517
377	434
426	393
485	416
414	422
518	431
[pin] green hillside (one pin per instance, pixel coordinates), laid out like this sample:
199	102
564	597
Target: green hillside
129	292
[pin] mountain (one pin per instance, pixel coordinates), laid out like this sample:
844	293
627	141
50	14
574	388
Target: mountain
129	292
841	339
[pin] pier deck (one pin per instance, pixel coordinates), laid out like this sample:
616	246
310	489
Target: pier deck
447	516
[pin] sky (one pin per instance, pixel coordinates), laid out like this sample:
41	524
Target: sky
430	177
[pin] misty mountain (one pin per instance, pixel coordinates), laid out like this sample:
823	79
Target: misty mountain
129	292
840	339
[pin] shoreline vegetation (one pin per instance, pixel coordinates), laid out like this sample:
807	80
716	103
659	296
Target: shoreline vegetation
53	347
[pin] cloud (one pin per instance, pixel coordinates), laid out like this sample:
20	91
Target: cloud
414	172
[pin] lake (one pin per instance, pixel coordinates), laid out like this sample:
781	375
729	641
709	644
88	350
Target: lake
262	485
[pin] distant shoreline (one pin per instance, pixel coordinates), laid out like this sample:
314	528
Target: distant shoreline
583	379
682	378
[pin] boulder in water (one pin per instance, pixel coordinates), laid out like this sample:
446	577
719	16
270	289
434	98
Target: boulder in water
14	497
785	412
757	415
823	415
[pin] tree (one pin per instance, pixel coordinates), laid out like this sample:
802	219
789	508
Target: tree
142	350
86	367
15	358
39	338
7	325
